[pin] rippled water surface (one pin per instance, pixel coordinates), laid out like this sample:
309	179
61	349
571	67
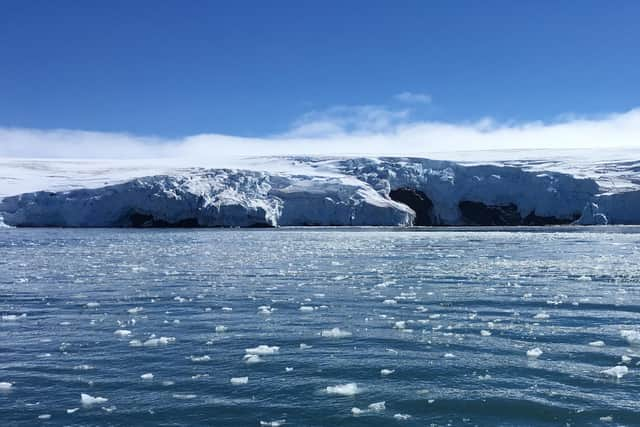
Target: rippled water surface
436	325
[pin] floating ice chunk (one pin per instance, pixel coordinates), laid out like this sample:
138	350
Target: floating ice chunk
83	367
275	423
401	417
44	417
357	411
13	317
288	369
92	305
625	358
184	396
632	337
72	410
596	343
154	342
265	309
147	376
227	309
541	316
385	372
263	350
5	386
606	419
221	329
304	346
389	301
616	372
449	356
122	333
167	383
250	359
434	316
204	358
109	409
135	343
348	389
534	353
377	406
306	308
87	399
239	380
400	324
335	333
135	310
485	333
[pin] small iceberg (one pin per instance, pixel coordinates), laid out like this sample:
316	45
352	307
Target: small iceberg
88	400
616	372
5	386
386	372
534	353
148	376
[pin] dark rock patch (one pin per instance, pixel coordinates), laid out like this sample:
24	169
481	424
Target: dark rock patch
478	213
416	200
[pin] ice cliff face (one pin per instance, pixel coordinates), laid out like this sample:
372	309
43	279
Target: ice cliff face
332	191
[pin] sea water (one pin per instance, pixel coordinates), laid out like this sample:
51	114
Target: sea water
320	327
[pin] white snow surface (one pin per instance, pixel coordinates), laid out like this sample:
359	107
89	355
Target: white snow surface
596	187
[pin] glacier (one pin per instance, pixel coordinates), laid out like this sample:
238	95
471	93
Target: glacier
331	191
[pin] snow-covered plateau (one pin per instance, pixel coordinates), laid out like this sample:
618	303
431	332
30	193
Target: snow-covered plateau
327	191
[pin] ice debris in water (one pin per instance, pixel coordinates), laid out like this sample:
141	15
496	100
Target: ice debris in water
122	333
250	359
596	343
135	310
304	346
204	358
485	333
385	372
335	333
348	389
262	350
288	369
87	399
13	317
154	342
72	410
44	417
265	309
306	308
541	316
534	353
632	337
389	301
401	417
5	386
183	396
275	423
92	305
239	380
147	376
616	372
221	329
374	407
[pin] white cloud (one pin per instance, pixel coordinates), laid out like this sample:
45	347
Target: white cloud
339	130
413	98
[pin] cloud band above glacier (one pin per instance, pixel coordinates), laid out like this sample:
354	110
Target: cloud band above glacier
338	131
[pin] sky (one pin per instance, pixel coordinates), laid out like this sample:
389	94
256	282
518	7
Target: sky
149	78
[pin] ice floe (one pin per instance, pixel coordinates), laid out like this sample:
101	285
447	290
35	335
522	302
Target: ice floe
5	386
349	389
262	350
250	359
154	342
147	376
274	423
632	336
386	372
198	359
597	343
239	380
122	333
335	333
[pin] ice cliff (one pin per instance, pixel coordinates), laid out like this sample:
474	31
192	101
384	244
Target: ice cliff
332	191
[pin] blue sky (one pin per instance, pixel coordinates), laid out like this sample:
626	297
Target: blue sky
255	69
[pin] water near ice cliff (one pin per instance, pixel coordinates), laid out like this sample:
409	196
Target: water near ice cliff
155	327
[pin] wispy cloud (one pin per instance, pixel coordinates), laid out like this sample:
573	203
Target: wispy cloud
338	130
413	98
